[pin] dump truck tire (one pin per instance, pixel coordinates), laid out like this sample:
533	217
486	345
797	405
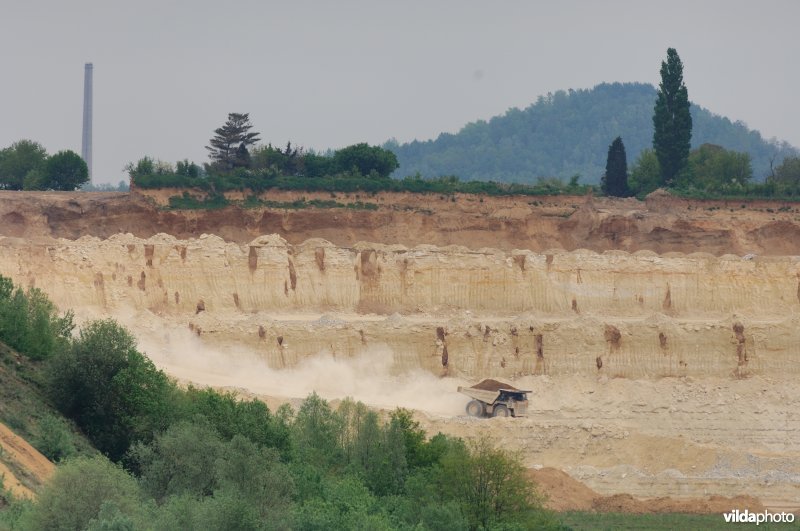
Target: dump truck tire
501	411
475	408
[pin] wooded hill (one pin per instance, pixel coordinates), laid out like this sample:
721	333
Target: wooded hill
568	133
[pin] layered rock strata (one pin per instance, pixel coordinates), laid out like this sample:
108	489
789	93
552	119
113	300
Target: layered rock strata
450	309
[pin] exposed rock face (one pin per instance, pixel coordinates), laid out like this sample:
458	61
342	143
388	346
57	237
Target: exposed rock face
468	312
661	224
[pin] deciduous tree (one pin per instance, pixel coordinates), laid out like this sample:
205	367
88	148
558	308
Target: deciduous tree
492	487
18	160
84	490
645	175
65	170
112	391
788	173
366	160
716	169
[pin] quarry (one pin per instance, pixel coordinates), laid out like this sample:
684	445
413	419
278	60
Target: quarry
659	338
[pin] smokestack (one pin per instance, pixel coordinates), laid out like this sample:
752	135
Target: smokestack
86	143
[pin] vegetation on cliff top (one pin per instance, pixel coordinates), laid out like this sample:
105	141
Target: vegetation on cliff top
25	165
710	170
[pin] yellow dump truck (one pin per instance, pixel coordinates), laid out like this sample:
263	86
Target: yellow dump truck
491	398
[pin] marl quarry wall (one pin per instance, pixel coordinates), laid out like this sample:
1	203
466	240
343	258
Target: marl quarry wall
448	309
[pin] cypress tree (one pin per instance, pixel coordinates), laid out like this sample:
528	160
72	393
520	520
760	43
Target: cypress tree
672	122
615	181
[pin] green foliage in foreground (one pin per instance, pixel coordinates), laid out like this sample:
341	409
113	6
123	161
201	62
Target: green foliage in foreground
30	323
25	409
347	470
54	440
199	459
114	393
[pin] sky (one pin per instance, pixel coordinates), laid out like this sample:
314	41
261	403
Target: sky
330	74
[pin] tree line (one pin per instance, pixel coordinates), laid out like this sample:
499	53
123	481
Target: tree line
192	458
707	171
25	165
237	163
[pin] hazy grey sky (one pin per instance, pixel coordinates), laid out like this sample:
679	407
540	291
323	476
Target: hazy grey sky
329	74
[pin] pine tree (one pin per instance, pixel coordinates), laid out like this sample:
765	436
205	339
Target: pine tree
672	122
615	181
228	148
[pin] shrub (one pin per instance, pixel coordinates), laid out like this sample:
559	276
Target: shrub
78	492
189	202
29	321
113	392
54	440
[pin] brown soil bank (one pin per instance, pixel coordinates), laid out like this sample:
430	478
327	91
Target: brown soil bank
565	493
661	224
17	454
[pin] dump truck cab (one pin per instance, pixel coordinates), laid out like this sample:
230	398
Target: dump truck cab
491	398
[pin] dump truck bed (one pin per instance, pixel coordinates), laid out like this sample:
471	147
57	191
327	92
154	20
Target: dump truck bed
480	394
488	390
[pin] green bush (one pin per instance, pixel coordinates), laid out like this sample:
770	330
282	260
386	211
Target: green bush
252	201
492	487
54	440
113	392
189	202
83	492
178	461
230	416
344	503
30	323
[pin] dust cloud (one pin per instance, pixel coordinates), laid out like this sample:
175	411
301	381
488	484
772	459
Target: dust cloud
370	377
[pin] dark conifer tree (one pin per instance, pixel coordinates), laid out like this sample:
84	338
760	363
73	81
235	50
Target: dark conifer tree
615	181
228	148
672	134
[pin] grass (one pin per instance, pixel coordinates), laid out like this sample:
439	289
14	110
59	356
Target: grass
188	202
254	202
706	522
23	405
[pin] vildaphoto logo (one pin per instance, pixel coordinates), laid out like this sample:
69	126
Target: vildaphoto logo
764	517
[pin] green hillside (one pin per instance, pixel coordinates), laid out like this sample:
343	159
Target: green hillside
568	133
189	458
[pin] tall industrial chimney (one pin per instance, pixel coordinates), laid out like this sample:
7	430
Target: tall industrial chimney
86	143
